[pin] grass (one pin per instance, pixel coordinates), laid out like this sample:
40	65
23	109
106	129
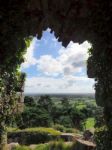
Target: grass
81	105
90	122
51	145
10	129
43	129
37	129
42	147
22	148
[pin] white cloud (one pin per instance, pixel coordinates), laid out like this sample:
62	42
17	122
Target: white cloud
54	39
59	72
49	65
29	56
71	60
56	85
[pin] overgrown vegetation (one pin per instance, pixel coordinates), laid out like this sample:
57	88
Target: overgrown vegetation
38	129
51	146
62	115
45	118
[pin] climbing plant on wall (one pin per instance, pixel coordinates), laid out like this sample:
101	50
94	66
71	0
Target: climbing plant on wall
11	89
9	82
99	66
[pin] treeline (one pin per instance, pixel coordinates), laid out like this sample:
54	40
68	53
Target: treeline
46	113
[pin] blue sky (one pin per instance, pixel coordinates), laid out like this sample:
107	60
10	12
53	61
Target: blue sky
52	68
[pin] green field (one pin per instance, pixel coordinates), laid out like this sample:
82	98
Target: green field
90	122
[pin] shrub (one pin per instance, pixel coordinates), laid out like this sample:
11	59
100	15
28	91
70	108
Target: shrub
42	147
50	146
33	135
27	138
54	146
69	130
59	127
103	138
21	148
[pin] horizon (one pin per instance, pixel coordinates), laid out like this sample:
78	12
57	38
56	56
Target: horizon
59	93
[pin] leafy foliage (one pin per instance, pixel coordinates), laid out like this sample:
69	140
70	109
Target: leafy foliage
46	112
51	146
33	135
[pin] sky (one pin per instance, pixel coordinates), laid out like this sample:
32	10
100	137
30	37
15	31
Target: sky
52	68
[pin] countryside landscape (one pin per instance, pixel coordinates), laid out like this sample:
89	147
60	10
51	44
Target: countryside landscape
55	75
55	120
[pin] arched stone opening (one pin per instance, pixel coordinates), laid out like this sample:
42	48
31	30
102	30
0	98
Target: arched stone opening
70	20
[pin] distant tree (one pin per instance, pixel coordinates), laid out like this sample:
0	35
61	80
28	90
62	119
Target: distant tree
77	118
65	120
66	106
86	112
29	101
56	113
46	103
65	102
35	114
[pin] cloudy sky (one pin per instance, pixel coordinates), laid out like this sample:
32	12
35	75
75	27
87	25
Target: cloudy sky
52	68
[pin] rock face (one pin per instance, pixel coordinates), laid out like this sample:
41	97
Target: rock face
71	20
